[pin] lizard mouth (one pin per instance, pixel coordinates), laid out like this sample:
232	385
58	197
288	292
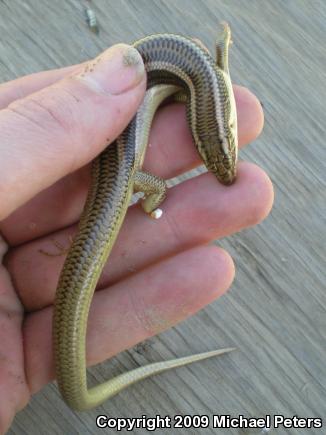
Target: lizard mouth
229	178
224	175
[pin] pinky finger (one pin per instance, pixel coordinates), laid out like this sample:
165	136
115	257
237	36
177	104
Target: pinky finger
135	309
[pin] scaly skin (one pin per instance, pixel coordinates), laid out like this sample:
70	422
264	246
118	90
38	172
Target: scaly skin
174	64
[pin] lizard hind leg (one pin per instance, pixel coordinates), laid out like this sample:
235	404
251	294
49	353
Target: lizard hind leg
154	189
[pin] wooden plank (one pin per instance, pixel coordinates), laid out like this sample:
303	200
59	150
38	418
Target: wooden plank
275	311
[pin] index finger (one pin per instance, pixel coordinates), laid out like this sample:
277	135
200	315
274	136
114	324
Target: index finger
26	85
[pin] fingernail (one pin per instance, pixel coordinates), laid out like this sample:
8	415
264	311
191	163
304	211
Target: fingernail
115	71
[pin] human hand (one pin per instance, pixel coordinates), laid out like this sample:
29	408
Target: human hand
61	121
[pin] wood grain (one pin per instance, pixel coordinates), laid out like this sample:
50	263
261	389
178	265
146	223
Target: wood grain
275	311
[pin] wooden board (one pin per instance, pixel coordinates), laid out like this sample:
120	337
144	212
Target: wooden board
275	312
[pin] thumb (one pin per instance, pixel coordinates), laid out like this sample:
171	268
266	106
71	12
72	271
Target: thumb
55	131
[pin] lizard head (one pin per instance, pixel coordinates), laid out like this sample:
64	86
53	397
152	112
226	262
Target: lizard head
219	140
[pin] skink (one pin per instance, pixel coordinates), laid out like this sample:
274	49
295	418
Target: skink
174	65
